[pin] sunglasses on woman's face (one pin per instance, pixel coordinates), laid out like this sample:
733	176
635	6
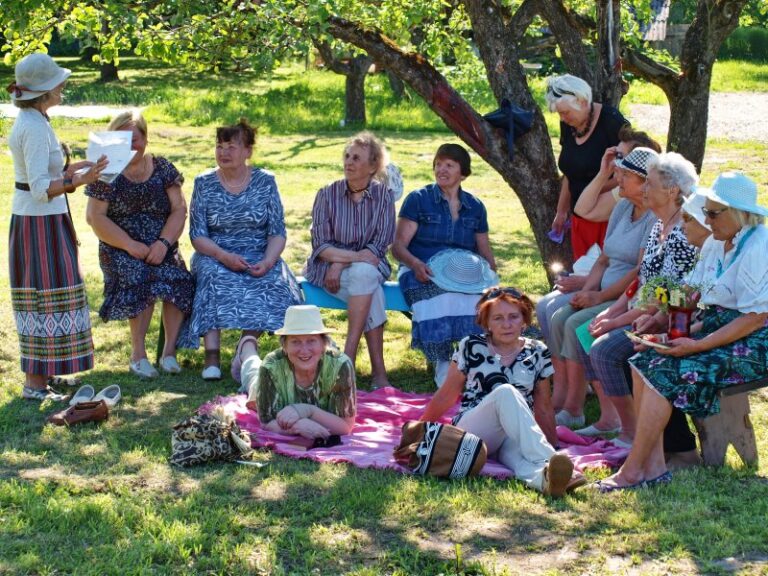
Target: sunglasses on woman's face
712	214
496	292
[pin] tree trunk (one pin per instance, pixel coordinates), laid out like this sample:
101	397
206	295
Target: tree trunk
688	91
398	87
108	72
354	108
609	85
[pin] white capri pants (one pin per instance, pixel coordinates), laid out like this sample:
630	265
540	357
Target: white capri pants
361	279
509	430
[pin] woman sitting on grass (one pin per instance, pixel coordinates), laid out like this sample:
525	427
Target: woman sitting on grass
306	387
503	381
731	345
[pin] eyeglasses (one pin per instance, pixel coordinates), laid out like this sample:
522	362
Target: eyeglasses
712	214
559	93
492	293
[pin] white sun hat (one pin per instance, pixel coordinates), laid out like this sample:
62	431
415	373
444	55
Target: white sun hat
694	203
36	74
301	320
456	270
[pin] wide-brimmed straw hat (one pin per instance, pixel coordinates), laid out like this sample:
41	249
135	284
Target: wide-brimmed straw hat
36	74
456	270
303	320
694	203
637	161
736	190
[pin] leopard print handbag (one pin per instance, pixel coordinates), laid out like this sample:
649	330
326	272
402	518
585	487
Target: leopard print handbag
206	438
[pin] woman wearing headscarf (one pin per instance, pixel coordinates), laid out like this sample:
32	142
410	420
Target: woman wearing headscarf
47	290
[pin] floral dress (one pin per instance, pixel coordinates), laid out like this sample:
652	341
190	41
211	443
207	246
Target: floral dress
141	209
242	224
732	284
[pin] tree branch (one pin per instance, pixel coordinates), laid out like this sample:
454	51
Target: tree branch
567	28
522	18
648	69
333	63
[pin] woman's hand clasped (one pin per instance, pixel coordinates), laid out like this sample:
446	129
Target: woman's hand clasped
234	262
602	324
138	250
260	268
309	429
681	347
157	253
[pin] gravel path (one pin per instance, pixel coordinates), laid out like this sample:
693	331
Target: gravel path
732	115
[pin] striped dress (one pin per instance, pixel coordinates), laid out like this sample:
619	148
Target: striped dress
47	290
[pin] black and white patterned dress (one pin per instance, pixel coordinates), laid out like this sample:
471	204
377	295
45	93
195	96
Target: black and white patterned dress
484	371
239	223
673	258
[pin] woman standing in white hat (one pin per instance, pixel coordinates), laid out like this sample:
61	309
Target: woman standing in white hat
47	289
306	387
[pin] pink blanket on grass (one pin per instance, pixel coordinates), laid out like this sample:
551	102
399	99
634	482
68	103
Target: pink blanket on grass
380	417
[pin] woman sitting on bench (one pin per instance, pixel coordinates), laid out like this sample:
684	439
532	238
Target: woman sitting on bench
353	224
731	346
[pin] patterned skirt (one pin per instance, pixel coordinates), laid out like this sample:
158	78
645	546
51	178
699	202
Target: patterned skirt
691	383
48	296
440	318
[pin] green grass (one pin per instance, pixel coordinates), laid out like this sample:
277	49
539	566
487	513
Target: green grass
103	499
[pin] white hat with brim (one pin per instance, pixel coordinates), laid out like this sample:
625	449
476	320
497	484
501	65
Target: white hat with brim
36	75
303	320
693	205
456	270
637	161
735	190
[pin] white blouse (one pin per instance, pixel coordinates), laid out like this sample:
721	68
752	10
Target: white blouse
743	281
37	160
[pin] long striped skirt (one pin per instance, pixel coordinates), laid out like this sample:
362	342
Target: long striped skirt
440	318
48	296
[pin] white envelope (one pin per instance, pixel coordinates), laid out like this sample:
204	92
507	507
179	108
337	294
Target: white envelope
116	146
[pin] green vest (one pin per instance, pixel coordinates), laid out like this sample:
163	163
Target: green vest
280	370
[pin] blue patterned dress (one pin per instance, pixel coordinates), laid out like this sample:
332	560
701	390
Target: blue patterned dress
239	223
141	209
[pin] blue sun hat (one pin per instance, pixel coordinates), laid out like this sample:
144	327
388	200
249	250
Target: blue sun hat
456	270
736	190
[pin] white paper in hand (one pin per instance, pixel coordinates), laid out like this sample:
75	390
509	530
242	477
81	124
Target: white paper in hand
116	146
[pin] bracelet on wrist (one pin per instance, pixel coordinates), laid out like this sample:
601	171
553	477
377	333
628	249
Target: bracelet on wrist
69	187
165	243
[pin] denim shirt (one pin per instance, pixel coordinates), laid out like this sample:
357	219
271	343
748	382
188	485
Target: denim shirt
437	230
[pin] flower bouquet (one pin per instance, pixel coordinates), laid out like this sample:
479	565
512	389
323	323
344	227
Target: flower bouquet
674	297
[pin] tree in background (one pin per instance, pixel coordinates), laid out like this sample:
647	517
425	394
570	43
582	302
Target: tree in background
418	42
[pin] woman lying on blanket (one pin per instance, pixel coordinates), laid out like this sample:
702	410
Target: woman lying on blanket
501	376
306	387
731	345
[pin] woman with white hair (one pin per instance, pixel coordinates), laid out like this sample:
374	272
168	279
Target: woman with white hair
671	179
47	290
587	129
731	344
353	225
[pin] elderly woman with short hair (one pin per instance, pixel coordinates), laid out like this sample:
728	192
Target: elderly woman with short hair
237	227
587	129
731	345
433	219
306	387
353	225
671	179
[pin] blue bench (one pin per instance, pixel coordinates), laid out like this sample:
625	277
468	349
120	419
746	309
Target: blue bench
393	297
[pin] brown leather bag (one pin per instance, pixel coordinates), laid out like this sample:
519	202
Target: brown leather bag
441	450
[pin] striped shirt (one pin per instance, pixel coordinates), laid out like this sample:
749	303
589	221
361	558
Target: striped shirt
338	222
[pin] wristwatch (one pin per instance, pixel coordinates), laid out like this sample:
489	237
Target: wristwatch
165	243
69	187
